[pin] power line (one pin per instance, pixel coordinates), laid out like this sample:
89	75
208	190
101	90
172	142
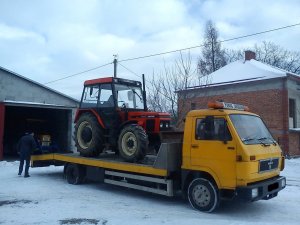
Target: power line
75	74
262	32
198	46
172	51
149	88
129	70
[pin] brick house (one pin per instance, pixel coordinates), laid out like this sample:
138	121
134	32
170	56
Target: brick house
272	93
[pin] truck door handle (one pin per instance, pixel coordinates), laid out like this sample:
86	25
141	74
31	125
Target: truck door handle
194	146
230	148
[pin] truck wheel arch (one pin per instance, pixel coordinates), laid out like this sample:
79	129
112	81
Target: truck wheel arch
189	175
203	195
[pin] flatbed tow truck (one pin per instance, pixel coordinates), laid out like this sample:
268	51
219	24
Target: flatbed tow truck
225	153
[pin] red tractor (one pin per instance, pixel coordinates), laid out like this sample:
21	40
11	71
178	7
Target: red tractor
113	115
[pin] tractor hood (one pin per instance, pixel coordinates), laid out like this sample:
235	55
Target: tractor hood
143	114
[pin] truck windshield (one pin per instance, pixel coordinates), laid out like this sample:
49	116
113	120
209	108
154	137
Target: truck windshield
129	96
251	129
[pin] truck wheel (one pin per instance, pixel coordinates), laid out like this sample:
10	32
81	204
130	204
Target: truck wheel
88	136
133	143
74	174
203	195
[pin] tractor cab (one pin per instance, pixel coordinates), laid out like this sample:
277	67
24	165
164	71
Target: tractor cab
113	114
113	93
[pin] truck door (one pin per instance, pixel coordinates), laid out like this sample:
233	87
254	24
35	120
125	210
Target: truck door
213	148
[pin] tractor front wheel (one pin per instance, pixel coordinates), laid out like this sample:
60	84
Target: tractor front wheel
133	143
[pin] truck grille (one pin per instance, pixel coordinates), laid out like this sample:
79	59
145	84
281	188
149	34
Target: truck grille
268	164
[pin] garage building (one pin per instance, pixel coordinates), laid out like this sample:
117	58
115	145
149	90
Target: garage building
26	105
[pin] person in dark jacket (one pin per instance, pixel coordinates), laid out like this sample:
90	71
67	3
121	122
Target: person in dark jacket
25	146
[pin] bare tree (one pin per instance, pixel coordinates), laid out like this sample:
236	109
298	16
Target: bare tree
233	55
162	93
271	54
213	57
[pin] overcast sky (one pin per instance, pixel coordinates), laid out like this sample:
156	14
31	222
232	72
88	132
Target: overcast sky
46	40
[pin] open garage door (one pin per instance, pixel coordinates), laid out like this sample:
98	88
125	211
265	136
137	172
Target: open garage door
44	122
2	115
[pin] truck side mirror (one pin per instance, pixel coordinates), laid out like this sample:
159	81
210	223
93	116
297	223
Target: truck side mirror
91	91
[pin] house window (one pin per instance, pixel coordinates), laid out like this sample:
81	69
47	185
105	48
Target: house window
292	113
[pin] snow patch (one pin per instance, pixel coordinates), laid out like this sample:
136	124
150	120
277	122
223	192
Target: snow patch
46	198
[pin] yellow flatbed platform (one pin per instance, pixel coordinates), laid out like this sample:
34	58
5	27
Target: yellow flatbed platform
106	162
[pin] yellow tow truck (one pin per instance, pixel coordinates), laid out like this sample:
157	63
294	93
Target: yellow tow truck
225	153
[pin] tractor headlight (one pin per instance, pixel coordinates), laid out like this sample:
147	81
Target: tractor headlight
161	125
254	192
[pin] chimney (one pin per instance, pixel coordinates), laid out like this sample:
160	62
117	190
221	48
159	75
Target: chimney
249	55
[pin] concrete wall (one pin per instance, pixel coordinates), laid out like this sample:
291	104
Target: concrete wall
293	87
15	88
275	83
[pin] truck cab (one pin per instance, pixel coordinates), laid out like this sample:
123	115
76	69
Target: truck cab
234	150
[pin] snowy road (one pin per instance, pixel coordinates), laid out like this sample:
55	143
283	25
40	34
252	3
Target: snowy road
46	198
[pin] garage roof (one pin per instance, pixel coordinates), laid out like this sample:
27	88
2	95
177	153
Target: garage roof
17	88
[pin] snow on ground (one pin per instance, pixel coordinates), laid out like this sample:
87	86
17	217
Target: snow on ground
46	198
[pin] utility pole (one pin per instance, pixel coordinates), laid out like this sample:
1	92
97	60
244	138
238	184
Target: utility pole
115	65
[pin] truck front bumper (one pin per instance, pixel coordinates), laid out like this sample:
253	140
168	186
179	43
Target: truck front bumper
261	190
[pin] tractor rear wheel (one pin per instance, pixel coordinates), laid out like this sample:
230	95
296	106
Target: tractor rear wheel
88	136
133	143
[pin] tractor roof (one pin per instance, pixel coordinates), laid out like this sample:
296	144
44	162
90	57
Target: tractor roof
111	80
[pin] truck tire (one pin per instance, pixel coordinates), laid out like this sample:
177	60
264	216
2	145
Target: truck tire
133	143
88	136
75	174
203	195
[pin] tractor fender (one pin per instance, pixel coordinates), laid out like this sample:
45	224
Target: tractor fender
132	122
129	122
93	112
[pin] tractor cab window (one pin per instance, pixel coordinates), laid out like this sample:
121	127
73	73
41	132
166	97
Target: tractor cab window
106	96
129	96
90	96
211	128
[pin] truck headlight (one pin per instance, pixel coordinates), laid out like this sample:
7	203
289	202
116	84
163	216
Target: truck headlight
283	183
254	192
